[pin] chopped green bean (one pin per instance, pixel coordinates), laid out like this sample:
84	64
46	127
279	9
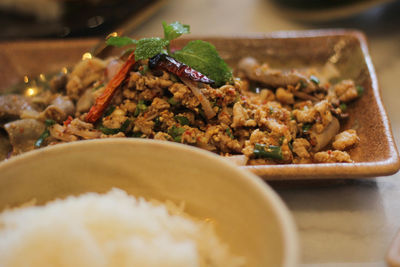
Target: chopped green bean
314	79
182	120
272	152
229	132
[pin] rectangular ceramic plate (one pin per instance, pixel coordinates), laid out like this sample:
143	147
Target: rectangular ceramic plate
376	155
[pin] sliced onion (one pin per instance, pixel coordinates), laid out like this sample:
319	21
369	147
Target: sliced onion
112	68
326	136
208	111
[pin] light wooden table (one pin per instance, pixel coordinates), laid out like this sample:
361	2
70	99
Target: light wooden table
342	225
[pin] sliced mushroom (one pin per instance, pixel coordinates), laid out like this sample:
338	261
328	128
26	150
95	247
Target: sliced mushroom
272	77
23	134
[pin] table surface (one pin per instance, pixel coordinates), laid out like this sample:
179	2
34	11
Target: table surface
343	224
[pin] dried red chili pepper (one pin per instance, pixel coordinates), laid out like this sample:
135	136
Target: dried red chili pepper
104	99
167	63
67	121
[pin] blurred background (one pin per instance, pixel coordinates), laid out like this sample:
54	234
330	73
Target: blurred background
349	224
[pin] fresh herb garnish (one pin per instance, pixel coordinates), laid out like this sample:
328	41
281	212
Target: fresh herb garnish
42	137
272	152
271	110
140	107
157	124
149	47
229	133
109	131
290	145
174	30
314	79
199	55
98	87
303	84
109	111
182	120
135	134
120	41
49	122
144	70
343	107
125	125
176	133
45	134
360	90
281	140
203	57
172	101
306	127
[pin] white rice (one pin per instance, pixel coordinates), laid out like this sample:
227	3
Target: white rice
112	229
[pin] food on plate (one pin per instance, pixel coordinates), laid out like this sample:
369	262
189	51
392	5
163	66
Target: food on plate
112	229
258	115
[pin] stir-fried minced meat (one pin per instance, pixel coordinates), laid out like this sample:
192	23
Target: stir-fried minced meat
290	118
332	156
345	139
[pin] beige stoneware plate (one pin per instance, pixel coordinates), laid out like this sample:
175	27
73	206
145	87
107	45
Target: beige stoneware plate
247	214
376	155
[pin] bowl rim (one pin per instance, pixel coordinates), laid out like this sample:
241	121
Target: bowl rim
279	208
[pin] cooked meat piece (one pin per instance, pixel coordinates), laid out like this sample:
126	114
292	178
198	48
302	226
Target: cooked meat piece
346	90
83	129
84	74
267	95
284	96
12	106
272	77
60	108
115	119
307	115
143	125
345	140
23	134
239	116
59	132
325	116
332	157
301	147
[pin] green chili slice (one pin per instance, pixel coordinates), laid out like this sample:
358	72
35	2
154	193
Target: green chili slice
182	120
314	79
176	133
272	152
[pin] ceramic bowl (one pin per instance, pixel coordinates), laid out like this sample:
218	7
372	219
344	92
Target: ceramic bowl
248	215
